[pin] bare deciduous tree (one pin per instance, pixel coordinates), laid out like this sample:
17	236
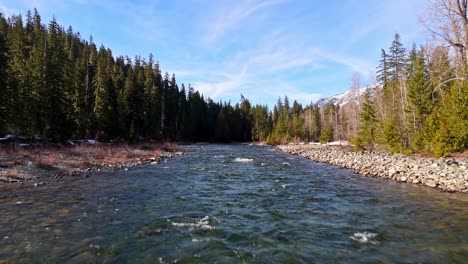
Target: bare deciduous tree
448	20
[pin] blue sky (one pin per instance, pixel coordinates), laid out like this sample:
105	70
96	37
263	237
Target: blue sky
261	49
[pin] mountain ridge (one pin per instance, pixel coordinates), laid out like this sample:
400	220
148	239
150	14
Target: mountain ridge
346	97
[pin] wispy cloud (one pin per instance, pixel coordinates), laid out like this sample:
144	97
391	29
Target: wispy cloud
260	48
355	64
228	17
223	87
6	11
266	67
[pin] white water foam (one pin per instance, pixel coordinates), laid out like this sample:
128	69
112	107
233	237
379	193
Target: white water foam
242	160
365	237
202	224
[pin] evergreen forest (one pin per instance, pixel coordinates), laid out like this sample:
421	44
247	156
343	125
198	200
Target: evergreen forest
56	86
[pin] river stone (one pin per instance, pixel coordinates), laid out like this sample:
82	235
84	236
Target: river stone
460	184
431	184
440	173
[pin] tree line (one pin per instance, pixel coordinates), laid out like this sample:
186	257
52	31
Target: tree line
57	86
419	103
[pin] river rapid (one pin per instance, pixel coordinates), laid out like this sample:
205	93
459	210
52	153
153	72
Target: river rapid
231	204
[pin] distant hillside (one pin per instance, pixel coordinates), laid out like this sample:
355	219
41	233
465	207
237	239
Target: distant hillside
344	98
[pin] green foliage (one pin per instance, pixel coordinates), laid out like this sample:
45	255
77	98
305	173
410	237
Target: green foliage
419	97
368	122
261	128
281	116
4	89
392	137
358	145
105	104
327	135
57	86
451	122
297	121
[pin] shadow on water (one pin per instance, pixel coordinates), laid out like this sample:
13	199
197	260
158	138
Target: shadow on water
232	204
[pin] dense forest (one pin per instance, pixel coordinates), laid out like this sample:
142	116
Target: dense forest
419	103
56	86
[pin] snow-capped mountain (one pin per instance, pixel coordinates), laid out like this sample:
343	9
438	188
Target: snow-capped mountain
352	95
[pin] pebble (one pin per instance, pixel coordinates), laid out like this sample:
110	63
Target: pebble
444	174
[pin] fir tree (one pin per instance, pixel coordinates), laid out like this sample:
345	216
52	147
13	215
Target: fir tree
419	96
367	127
4	89
105	103
58	112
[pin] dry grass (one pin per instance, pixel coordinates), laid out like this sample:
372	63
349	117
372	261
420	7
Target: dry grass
79	157
13	174
48	161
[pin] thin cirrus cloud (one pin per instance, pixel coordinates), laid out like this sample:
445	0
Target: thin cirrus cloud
228	17
262	49
6	11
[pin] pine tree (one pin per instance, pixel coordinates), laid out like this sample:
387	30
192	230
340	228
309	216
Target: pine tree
222	130
16	70
138	97
58	113
129	104
281	124
393	125
316	123
182	114
4	89
368	122
79	103
151	99
419	97
382	69
246	119
105	103
452	121
261	127
297	121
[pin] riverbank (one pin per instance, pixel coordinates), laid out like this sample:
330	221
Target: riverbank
449	174
34	165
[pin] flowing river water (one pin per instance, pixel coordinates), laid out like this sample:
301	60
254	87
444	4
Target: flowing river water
232	204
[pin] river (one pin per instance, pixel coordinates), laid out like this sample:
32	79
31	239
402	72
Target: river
232	204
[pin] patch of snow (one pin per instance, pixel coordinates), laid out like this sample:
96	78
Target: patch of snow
352	95
339	143
90	141
6	137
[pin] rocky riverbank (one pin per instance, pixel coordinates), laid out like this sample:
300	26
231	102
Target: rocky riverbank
447	174
35	165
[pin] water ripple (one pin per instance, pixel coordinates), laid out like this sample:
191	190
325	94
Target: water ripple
231	204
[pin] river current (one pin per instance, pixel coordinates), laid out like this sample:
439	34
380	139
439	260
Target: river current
232	204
